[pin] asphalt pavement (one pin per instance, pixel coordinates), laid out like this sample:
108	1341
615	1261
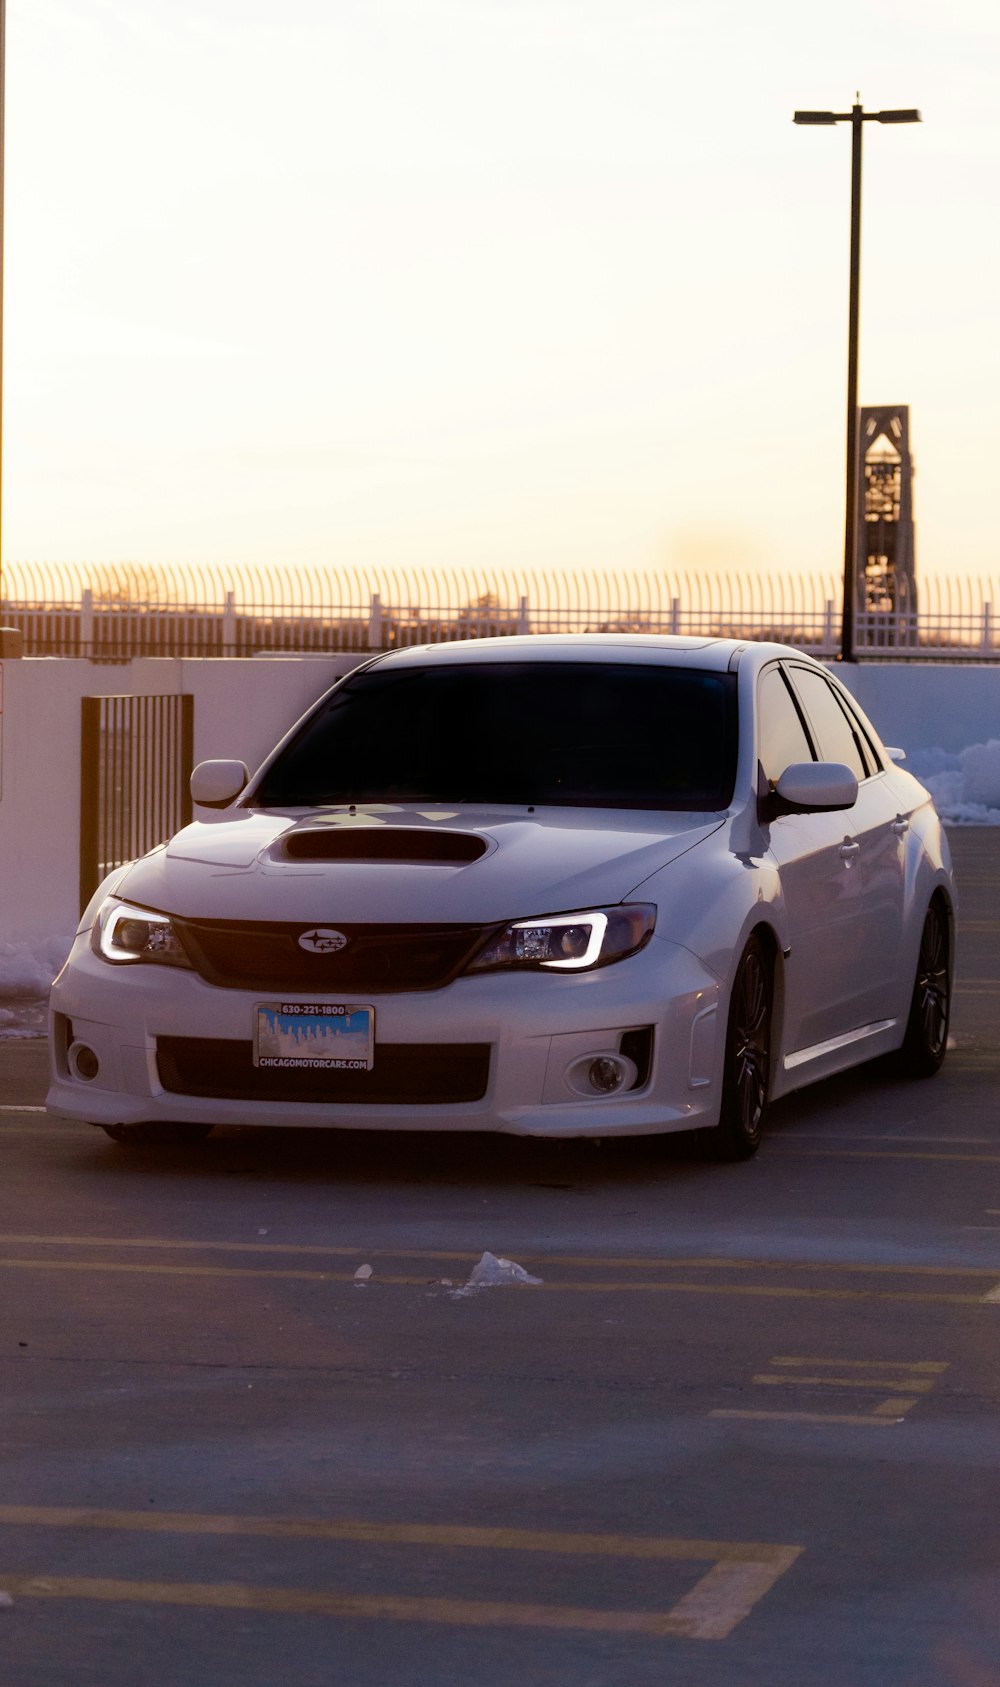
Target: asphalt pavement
742	1430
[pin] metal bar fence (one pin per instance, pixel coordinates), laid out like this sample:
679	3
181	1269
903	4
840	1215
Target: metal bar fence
111	615
136	755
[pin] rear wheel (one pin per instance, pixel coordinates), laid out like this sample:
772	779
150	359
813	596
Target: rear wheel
159	1133
746	1076
926	1039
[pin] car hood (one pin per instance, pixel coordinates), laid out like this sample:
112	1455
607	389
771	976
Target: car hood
409	865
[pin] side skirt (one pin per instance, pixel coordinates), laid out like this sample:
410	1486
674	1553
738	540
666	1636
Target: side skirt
820	1060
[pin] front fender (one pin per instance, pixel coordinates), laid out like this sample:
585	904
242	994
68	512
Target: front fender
712	899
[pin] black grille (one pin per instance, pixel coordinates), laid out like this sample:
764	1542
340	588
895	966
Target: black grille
405	1073
376	958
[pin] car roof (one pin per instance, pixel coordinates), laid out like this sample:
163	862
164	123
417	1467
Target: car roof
718	655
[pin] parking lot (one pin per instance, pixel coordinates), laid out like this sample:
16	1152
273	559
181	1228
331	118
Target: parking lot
743	1429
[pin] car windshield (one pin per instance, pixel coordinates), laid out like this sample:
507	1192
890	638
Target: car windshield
587	734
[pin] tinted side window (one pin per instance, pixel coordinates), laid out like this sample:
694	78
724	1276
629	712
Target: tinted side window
836	740
781	736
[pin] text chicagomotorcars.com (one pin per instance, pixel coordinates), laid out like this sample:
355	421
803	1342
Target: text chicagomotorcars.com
325	1065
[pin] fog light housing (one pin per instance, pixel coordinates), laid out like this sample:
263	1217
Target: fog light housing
83	1062
601	1074
607	1074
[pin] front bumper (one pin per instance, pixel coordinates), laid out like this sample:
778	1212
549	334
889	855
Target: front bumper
536	1027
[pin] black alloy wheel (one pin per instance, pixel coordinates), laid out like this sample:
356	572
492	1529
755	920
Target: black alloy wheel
926	1041
746	1078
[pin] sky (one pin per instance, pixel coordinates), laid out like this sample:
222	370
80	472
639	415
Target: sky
516	284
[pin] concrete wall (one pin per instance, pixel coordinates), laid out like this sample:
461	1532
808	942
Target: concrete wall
242	707
927	705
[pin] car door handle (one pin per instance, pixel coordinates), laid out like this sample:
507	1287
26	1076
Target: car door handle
900	827
848	852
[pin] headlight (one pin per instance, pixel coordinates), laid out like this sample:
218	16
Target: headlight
569	942
123	932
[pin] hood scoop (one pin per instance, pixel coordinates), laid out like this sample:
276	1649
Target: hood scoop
411	844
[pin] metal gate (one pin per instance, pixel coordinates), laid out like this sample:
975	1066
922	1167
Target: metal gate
136	755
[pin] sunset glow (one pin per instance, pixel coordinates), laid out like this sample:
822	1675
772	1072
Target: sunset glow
484	283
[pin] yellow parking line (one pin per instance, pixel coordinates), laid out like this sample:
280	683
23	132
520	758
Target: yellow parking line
626	1262
974	1066
809	1153
239	1596
136	1270
741	1573
935	1366
918	1376
803	1417
190	1245
924	1385
584	1286
464	1536
901	1138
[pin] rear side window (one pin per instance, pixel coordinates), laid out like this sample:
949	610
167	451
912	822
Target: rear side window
781	737
837	738
572	734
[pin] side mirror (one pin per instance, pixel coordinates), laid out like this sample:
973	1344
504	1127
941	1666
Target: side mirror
815	787
215	784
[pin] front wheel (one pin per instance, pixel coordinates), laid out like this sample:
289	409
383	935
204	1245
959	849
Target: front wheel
746	1076
159	1133
926	1040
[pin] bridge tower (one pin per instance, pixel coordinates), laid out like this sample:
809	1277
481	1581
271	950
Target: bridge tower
886	556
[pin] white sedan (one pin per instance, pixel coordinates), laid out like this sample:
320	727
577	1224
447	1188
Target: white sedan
557	886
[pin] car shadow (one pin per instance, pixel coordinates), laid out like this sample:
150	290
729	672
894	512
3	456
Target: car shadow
392	1160
453	1159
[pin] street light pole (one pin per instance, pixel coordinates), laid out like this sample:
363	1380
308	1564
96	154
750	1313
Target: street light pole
856	117
3	86
853	317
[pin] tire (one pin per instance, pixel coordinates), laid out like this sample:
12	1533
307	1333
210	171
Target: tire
747	1070
926	1041
159	1133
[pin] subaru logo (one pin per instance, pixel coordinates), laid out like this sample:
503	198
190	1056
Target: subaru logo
323	940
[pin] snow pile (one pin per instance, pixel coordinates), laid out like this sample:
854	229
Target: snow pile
491	1272
981	774
23	1019
26	972
965	787
27	969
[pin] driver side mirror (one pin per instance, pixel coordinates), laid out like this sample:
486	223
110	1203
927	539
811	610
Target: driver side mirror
811	787
215	784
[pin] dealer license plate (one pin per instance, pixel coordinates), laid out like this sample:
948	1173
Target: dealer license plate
314	1034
